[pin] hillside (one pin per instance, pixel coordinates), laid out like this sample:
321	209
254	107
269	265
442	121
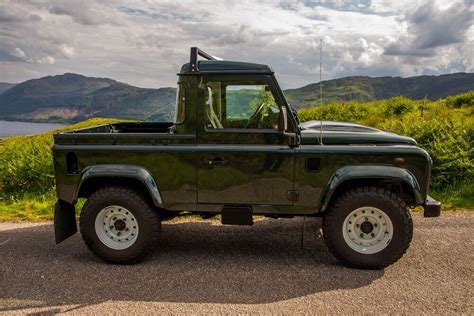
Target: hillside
361	88
73	97
4	86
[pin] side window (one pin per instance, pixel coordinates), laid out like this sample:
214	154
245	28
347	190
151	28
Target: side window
230	105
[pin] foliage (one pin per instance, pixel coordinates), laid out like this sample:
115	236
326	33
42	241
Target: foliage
445	128
26	163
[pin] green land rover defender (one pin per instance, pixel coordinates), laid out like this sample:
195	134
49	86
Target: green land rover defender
237	149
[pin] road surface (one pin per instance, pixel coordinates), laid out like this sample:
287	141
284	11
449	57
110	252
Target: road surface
203	267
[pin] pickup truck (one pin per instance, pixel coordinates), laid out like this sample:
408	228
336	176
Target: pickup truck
237	149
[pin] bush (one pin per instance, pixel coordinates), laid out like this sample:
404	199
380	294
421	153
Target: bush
26	163
445	128
461	100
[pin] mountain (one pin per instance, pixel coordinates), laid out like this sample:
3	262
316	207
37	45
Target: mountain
4	86
361	88
73	97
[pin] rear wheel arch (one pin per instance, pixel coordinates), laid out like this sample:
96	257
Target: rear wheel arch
134	177
91	185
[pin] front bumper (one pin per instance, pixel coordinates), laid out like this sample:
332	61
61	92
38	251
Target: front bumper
432	207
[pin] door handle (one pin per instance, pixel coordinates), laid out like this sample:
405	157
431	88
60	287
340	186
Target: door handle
216	161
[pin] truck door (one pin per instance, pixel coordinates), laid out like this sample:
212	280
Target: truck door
244	157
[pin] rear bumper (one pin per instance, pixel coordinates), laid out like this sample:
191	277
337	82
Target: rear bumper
64	220
432	207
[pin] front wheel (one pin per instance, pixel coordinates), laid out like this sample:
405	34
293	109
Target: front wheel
368	227
119	225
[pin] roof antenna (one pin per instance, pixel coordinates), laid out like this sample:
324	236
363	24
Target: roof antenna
321	91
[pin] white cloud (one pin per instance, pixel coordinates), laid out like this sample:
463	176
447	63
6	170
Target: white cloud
20	54
66	51
48	60
145	42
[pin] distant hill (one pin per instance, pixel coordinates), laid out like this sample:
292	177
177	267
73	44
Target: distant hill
367	88
4	86
73	97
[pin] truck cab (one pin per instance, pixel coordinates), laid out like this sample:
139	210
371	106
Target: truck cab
237	149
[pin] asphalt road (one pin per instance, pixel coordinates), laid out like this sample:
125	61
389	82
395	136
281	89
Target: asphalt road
204	267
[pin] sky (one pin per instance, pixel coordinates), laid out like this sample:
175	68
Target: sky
144	43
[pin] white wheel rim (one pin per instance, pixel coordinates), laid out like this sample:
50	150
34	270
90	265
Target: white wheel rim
367	230
116	227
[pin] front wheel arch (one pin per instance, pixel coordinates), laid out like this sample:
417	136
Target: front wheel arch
409	193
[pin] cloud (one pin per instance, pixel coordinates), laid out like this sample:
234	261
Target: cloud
430	27
145	42
78	10
48	60
20	54
66	51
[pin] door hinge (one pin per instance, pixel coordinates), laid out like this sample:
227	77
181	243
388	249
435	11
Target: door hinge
293	195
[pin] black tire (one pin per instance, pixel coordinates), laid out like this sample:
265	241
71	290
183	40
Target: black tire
388	202
148	220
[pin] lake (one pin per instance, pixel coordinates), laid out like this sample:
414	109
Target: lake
8	128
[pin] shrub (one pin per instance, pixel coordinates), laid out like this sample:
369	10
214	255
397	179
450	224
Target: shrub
445	130
26	163
461	100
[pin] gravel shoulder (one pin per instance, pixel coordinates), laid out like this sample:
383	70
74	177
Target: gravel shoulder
201	267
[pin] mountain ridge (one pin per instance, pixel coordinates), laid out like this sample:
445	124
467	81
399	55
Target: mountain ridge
364	88
4	86
73	97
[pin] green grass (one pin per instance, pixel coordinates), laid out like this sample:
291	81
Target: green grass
445	128
27	176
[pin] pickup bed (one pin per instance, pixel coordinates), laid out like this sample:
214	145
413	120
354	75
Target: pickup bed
238	149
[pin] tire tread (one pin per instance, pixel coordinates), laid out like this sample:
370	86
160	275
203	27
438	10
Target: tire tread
374	192
136	199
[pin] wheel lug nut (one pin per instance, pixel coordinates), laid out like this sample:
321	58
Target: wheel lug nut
373	235
127	229
375	225
357	225
361	235
111	227
119	233
115	218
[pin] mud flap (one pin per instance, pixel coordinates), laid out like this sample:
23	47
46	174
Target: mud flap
64	221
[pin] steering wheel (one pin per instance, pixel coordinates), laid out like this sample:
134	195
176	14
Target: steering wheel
255	114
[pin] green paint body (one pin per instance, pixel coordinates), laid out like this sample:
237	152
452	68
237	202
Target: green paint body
260	168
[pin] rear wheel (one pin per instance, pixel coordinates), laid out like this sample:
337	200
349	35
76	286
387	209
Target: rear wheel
368	227
119	225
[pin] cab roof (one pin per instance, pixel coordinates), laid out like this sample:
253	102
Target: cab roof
212	65
225	66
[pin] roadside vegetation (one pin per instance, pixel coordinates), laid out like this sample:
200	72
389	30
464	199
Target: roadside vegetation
27	191
445	128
